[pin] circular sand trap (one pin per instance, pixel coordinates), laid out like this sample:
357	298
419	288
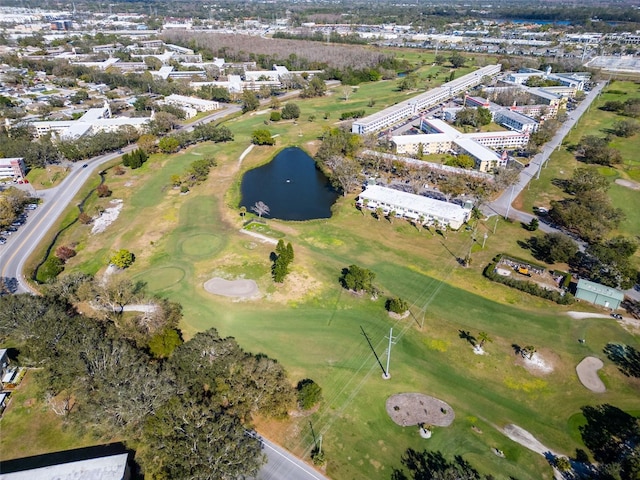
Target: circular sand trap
232	288
408	409
201	245
587	371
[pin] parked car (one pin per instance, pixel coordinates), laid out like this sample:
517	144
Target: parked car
3	240
617	316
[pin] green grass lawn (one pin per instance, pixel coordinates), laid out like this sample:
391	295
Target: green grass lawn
41	178
312	326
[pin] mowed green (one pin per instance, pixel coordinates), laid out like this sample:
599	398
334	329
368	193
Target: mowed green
314	327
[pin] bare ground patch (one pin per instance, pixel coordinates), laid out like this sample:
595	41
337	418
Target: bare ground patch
408	409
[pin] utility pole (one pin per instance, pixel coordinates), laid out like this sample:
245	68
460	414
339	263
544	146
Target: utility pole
495	227
484	238
386	374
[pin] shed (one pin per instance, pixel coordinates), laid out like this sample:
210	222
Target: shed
599	294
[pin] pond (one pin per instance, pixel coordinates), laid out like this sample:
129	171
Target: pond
291	186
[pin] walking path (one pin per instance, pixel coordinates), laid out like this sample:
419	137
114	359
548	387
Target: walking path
259	236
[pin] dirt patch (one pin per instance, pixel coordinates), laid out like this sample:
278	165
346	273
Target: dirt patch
232	288
587	371
628	183
408	409
107	217
297	285
541	363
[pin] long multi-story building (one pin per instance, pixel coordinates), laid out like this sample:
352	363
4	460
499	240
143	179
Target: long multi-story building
415	207
93	121
415	105
13	168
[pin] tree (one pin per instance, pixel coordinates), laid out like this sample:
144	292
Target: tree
261	208
168	145
345	173
358	279
457	60
533	225
396	305
309	393
282	260
625	128
122	258
594	149
610	262
609	433
148	143
484	116
586	179
243	212
290	111
163	122
202	442
262	137
483	337
250	101
553	247
316	88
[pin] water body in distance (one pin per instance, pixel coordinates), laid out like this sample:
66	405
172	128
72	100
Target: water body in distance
292	187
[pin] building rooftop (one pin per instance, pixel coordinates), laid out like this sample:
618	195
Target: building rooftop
409	201
104	468
600	289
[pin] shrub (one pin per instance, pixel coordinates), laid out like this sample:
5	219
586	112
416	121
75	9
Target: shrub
275	116
352	114
64	253
396	305
290	111
50	269
358	279
84	218
122	258
103	190
262	137
309	393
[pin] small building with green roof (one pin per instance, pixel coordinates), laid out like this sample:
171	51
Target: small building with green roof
599	294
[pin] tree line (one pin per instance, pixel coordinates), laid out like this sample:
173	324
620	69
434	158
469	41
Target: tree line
183	405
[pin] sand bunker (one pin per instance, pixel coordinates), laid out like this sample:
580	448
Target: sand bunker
409	409
587	371
232	288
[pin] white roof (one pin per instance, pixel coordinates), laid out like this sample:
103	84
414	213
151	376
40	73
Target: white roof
476	150
418	203
191	100
443	127
423	138
104	468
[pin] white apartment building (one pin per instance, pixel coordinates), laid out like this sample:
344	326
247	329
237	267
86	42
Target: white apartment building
414	207
93	121
415	105
200	104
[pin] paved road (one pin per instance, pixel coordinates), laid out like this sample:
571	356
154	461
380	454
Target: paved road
502	205
282	465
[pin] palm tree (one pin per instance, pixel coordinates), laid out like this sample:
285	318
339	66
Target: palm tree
392	215
243	211
484	338
365	203
528	351
378	213
420	222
